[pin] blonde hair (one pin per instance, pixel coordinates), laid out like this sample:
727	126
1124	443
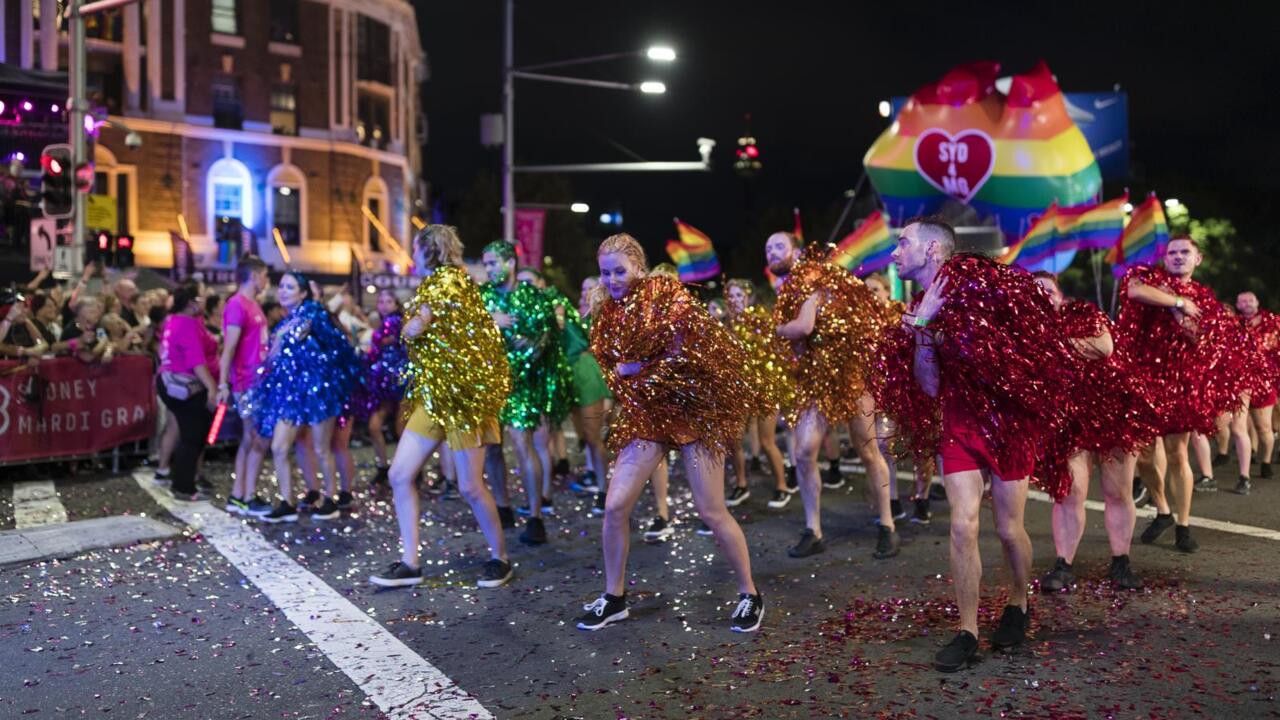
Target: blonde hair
665	270
441	245
746	286
626	245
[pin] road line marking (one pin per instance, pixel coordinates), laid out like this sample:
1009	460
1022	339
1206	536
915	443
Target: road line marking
393	676
35	502
1147	512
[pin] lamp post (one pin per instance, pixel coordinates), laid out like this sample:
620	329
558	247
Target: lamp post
510	72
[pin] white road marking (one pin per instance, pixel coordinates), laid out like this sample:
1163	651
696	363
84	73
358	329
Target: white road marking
36	502
1146	512
393	676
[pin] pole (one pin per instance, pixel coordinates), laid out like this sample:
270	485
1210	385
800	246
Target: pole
508	124
847	207
78	105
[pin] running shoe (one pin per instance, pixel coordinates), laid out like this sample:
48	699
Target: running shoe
895	507
1012	630
606	610
398	574
236	506
586	484
507	517
327	510
737	496
704	529
958	654
809	544
888	544
258	507
1243	486
1183	540
1121	575
495	573
345	500
1158	526
659	530
1206	484
748	614
535	533
922	515
284	512
1059	578
780	499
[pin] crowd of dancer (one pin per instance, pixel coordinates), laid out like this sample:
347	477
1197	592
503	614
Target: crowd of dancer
988	376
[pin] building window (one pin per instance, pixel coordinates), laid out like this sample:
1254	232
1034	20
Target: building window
287	203
226	103
373	119
373	51
284	110
375	199
104	25
224	17
228	199
284	21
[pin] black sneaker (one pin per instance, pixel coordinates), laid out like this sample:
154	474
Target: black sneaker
809	544
1012	629
1205	484
345	500
937	491
236	506
922	515
495	573
780	499
283	513
1158	526
586	484
1121	575
398	574
606	610
258	507
1140	495
958	654
548	507
1243	486
737	496
754	464
561	468
598	509
833	479
1183	540
327	510
1265	470
704	529
895	507
308	503
380	478
748	615
888	543
507	517
1220	459
535	533
659	530
162	476
1059	578
793	484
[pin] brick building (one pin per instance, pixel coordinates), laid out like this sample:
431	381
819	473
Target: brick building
255	116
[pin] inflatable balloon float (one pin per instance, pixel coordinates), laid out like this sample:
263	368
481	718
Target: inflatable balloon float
1008	155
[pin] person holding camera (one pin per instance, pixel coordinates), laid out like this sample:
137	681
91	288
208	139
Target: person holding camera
188	386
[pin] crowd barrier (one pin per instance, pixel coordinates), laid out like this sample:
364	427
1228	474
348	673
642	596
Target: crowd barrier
62	408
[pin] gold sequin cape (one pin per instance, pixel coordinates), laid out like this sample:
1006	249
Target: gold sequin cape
831	365
692	387
768	358
457	371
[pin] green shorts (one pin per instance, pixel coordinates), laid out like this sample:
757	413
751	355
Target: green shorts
588	381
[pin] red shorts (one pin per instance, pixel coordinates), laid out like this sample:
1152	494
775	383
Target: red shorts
1265	400
963	448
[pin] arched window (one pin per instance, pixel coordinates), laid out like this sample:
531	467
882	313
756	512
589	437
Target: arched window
376	198
228	199
287	203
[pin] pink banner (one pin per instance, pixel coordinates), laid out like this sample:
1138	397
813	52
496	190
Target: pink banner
529	225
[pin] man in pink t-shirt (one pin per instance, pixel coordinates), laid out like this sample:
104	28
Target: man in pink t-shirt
244	345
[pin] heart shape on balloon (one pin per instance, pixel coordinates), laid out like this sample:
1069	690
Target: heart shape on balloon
958	165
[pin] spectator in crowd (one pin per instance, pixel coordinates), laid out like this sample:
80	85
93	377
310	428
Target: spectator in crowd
213	307
187	386
126	291
81	337
274	312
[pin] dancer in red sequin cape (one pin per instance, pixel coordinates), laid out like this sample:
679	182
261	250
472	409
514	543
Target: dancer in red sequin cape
1264	327
1185	348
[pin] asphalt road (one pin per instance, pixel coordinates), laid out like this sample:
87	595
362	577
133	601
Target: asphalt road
173	629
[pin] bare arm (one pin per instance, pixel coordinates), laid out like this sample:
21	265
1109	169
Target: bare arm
924	363
1095	348
801	326
1148	295
206	378
231	339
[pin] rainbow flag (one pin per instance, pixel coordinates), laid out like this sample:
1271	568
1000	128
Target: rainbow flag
1144	237
1094	226
1039	246
867	249
1006	155
693	254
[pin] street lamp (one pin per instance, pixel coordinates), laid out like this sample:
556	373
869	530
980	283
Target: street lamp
510	72
580	208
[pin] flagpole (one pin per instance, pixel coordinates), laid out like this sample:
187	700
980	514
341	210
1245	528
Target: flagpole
847	207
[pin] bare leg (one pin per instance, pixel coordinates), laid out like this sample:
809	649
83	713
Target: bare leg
754	435
321	441
1117	494
1262	427
884	431
634	464
469	465
1240	434
411	453
810	430
343	461
862	430
542	447
1180	478
282	438
767	428
1068	513
964	494
495	466
661	477
1152	464
593	433
530	468
706	477
306	457
1201	446
739	460
168	441
377	421
1223	425
1009	502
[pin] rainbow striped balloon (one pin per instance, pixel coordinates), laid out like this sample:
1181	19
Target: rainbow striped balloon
868	249
1008	156
1144	237
693	254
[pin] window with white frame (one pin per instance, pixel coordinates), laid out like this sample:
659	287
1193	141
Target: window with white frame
229	199
375	199
224	17
287	203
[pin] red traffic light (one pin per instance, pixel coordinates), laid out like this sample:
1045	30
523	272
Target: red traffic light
104	241
124	242
753	151
51	164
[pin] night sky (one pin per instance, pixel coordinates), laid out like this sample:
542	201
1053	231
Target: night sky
1202	110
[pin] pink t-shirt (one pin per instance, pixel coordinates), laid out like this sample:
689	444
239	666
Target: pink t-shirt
246	314
185	344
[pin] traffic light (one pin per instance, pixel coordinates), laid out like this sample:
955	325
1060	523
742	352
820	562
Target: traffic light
104	245
124	251
57	191
748	162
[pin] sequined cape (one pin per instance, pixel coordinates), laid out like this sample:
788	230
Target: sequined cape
541	381
457	371
768	358
1265	333
383	367
691	387
310	376
832	363
1191	376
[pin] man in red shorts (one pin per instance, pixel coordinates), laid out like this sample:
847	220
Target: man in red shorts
1264	327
